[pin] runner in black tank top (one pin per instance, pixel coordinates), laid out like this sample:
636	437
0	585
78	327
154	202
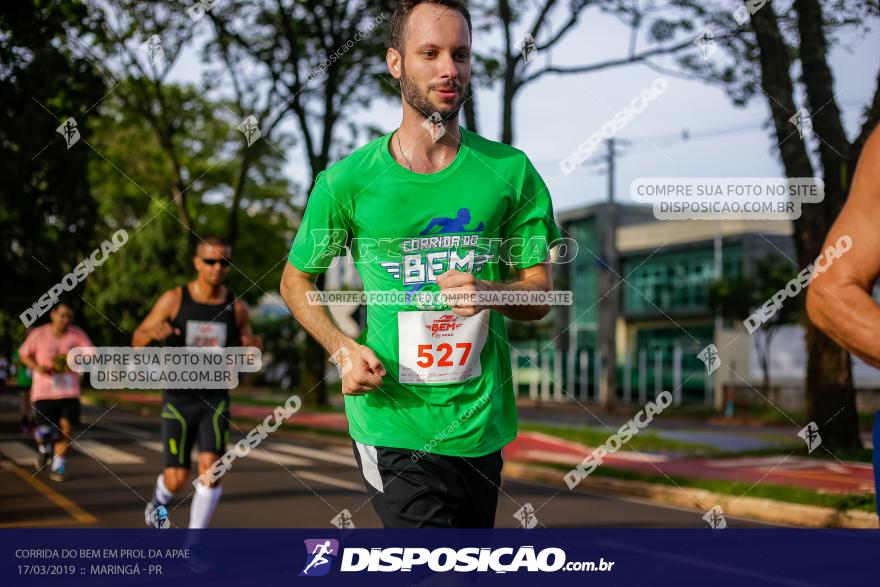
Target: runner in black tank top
195	416
190	415
203	325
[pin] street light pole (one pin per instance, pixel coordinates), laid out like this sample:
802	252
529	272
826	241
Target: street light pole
608	305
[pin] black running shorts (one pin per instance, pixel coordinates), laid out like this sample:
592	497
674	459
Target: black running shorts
50	411
190	418
412	489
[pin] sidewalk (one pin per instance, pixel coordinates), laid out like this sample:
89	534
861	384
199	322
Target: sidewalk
829	476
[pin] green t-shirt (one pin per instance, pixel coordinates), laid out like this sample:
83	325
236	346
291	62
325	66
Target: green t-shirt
448	388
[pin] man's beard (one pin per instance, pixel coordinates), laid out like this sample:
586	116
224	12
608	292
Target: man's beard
420	101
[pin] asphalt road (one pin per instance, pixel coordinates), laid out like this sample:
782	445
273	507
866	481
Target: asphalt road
287	482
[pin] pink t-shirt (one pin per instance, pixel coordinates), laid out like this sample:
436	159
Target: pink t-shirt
43	346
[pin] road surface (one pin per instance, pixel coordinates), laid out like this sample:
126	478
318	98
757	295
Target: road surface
287	482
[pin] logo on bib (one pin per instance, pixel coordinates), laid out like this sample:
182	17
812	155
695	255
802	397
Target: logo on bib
205	334
443	326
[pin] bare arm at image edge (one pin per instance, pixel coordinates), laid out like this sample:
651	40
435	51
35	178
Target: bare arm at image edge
839	299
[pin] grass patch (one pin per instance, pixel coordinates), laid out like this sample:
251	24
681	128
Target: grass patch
841	502
763	414
861	455
644	441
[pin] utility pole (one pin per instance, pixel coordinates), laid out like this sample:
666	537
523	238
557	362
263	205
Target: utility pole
609	308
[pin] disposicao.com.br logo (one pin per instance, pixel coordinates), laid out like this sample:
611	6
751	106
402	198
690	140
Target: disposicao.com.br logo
320	554
444	559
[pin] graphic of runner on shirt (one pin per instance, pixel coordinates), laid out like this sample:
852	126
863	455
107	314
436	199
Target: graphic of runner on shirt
449	225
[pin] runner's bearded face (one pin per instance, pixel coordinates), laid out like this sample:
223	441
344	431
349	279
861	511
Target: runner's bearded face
436	65
212	263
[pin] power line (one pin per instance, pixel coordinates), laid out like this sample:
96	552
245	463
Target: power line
686	135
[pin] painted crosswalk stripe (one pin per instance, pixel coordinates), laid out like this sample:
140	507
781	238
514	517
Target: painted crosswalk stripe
23	454
18	452
314	454
109	455
128	430
330	481
156	446
266	456
257	454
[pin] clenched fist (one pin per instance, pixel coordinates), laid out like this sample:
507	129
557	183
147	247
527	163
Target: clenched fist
162	331
361	370
463	289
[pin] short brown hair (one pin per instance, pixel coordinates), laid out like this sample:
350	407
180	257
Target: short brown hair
405	8
212	241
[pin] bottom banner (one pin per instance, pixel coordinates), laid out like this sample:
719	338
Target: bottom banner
100	557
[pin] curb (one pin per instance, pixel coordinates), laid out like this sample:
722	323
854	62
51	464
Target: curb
756	508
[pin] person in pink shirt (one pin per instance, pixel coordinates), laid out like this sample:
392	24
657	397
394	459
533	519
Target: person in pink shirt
55	388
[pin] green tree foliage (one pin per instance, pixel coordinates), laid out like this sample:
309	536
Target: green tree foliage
46	209
131	177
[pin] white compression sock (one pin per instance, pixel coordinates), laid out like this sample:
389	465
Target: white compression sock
203	505
162	493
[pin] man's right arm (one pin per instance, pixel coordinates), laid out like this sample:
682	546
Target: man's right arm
157	325
361	369
839	299
30	362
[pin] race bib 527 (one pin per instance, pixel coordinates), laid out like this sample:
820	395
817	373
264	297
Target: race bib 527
440	347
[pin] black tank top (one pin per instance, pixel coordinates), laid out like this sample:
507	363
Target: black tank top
204	325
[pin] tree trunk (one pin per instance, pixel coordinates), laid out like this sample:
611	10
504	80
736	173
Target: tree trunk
830	395
241	180
314	384
509	93
508	86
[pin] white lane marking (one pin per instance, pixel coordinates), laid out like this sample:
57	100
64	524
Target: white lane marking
287	459
330	481
130	430
18	452
258	454
315	454
107	454
261	454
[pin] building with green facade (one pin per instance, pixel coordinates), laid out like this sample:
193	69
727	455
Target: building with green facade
665	320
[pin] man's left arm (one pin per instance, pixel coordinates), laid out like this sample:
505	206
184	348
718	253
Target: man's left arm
466	292
243	321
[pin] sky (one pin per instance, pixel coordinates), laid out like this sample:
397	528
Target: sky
556	113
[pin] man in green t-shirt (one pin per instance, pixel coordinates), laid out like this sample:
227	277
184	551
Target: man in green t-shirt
428	209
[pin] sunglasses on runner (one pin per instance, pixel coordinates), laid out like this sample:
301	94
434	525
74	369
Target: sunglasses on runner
212	262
